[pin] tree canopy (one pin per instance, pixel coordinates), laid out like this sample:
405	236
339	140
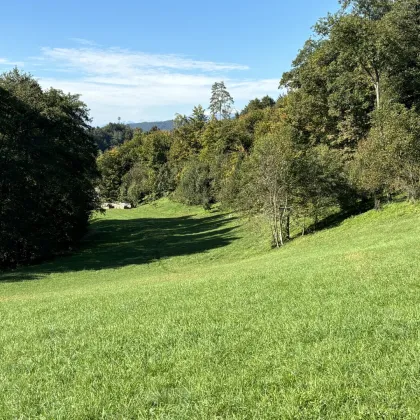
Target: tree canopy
47	170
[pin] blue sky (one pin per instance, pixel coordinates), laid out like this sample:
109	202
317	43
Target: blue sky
146	60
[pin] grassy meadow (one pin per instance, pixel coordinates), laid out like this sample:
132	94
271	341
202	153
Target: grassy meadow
172	312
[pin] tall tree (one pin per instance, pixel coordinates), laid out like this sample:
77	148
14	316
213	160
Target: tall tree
47	170
221	102
269	181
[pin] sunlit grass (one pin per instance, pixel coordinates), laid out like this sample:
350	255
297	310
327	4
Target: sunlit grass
166	315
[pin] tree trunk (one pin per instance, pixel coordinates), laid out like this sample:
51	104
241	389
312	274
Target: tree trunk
377	204
275	237
281	233
377	92
275	220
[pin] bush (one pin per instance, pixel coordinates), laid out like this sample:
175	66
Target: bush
194	186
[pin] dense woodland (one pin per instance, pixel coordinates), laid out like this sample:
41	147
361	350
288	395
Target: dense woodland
47	170
345	132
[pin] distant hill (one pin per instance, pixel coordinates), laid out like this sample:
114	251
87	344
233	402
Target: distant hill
147	126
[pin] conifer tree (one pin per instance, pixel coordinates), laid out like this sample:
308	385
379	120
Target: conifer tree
221	102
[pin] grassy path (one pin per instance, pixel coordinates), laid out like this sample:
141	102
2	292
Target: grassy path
170	312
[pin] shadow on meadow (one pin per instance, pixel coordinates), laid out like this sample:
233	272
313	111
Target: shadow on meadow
117	243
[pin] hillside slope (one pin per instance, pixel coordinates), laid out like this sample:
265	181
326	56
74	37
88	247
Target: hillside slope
173	312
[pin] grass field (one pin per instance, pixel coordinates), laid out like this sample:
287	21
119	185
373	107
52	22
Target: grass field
172	312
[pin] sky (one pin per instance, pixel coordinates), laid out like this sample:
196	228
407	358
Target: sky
147	60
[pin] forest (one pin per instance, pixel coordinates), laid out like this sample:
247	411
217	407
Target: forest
343	135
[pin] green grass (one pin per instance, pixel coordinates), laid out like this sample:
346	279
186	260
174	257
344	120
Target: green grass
172	312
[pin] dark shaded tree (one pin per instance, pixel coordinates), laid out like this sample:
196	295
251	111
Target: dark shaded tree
112	134
47	170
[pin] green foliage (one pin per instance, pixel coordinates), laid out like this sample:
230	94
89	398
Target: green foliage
47	170
256	104
330	99
137	169
186	137
221	101
371	9
155	148
194	187
269	181
355	88
225	137
388	161
365	57
112	170
137	184
322	185
111	135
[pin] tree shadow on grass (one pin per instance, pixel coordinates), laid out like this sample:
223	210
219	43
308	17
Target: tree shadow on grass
335	219
117	243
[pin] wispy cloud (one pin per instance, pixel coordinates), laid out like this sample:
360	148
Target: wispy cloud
5	62
83	41
141	86
116	60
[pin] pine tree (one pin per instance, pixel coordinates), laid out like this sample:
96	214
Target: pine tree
221	102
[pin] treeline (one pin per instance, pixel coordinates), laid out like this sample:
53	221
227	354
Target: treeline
47	170
346	131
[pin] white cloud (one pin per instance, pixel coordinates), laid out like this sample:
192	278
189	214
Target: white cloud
139	86
116	60
8	63
84	41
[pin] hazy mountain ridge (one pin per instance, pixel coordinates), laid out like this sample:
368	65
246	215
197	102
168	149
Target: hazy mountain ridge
147	126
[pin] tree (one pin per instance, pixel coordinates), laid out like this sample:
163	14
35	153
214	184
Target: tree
269	181
112	165
256	104
321	184
47	170
198	117
388	161
186	141
112	134
380	37
194	187
369	9
225	137
362	43
136	170
328	101
137	184
403	42
220	102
